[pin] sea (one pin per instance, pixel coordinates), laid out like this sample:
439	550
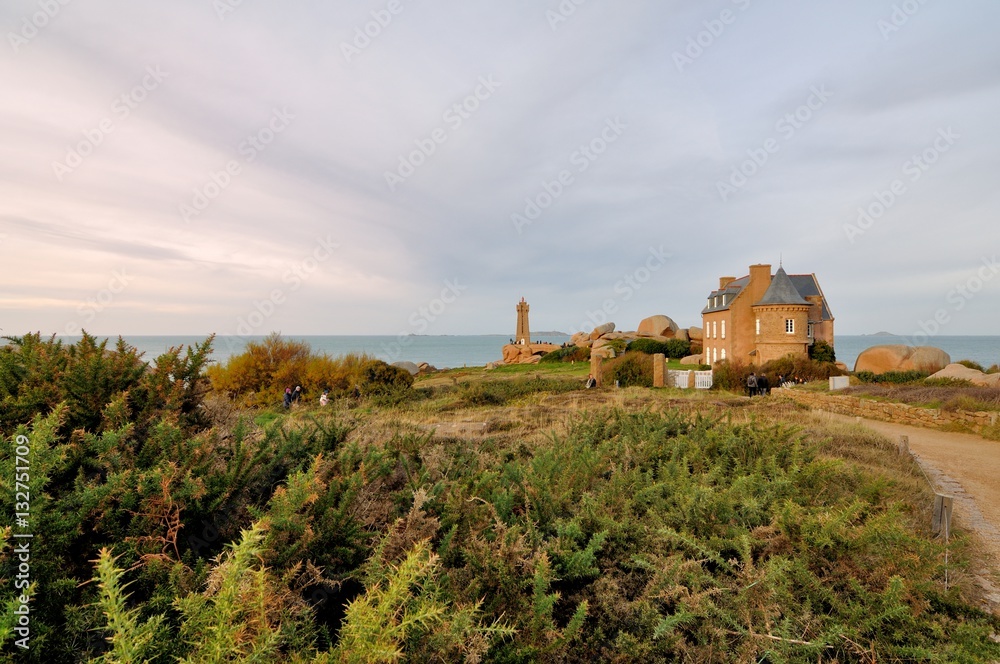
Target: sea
443	351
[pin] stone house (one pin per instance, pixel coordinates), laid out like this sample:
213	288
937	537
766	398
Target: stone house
760	317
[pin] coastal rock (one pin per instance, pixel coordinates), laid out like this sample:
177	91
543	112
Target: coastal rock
409	367
897	357
611	336
929	358
696	334
511	353
605	352
691	359
578	338
601	330
601	343
531	359
682	334
659	325
974	376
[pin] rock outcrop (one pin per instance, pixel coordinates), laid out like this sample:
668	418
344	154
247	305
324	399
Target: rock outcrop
897	357
974	376
691	359
659	326
409	367
696	334
601	330
526	353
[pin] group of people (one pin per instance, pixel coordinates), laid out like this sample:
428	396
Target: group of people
758	385
292	396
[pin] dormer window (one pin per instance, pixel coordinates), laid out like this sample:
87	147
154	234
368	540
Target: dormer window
715	301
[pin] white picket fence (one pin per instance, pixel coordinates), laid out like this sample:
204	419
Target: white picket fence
681	379
703	380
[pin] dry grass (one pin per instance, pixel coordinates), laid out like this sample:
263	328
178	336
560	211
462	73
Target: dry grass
949	398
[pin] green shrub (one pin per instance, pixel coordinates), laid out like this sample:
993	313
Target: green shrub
730	375
672	348
568	354
894	377
630	370
972	365
822	351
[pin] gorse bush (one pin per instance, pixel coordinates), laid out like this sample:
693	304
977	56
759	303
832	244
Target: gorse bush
261	373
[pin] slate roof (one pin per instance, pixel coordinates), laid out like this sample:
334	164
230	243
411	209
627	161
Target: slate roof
781	291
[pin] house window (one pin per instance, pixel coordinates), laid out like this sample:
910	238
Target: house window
715	301
723	353
723	329
715	355
715	329
758	326
790	325
723	300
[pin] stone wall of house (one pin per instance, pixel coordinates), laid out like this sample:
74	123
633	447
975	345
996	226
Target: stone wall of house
897	413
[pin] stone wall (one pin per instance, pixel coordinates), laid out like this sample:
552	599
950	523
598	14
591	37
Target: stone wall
898	413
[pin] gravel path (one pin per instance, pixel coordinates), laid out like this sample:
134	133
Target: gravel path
964	466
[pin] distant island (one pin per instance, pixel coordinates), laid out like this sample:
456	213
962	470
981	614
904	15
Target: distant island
881	334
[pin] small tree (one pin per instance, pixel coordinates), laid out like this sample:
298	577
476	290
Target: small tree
822	351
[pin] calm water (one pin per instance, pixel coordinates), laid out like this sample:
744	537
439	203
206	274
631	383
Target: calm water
458	351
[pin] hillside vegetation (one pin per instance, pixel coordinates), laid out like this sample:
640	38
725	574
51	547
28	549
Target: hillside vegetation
175	523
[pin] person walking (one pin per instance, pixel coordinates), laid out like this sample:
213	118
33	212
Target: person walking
288	397
763	385
752	384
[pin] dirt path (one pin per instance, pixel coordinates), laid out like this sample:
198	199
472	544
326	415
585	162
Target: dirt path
964	466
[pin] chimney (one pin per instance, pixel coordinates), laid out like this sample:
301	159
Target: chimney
817	307
725	281
760	279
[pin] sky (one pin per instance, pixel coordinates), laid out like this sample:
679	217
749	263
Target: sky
407	167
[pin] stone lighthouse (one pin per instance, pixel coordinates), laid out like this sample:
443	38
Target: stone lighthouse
523	336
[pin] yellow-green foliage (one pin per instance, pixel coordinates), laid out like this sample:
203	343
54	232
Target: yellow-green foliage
244	614
262	372
405	604
132	639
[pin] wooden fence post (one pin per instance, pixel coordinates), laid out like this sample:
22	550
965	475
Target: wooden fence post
904	445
